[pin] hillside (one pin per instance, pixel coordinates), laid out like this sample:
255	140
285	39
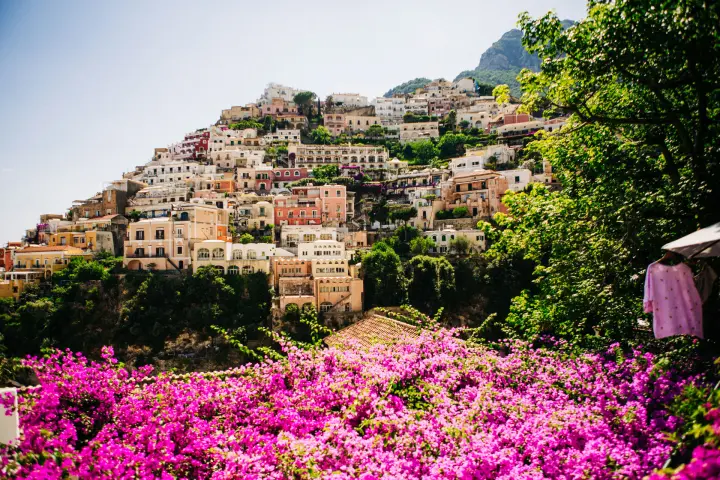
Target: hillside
407	87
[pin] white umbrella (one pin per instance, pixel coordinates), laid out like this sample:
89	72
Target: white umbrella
703	243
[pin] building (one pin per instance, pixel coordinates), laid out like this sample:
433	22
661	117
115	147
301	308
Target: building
444	238
522	129
292	235
391	109
45	260
416	105
517	179
275	90
195	145
237	157
252	216
480	120
321	249
157	200
335	123
331	285
349	99
165	243
111	201
12	284
283	136
312	205
234	114
412	132
278	106
480	192
476	158
363	156
360	123
292	121
283	177
233	258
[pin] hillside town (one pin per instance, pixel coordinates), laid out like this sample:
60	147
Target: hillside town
293	190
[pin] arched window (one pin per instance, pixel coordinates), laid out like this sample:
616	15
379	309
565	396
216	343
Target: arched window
237	254
325	306
251	255
247	270
203	254
218	254
233	270
219	269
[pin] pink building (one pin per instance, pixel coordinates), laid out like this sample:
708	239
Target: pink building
312	205
278	106
282	177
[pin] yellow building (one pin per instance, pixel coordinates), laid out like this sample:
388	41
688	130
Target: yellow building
47	260
13	283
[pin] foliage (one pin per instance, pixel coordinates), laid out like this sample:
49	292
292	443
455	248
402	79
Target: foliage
408	87
444	214
375	131
325	172
246	238
422	151
460	212
421	245
411	117
452	145
501	94
430	281
304	101
423	408
383	276
243	124
460	245
321	135
402	213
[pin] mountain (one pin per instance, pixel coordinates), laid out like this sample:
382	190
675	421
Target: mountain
504	59
408	87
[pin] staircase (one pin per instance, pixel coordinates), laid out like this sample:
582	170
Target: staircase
173	264
339	302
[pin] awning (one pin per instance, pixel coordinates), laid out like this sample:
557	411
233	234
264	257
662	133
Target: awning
703	243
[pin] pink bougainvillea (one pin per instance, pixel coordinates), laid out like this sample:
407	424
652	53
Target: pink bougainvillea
432	408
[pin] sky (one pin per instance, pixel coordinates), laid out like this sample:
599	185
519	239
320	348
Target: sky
89	88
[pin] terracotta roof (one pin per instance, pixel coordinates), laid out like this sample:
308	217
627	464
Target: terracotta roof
373	330
58	248
476	173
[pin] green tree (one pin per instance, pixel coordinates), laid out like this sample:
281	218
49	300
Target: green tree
383	277
304	101
375	132
421	245
246	238
243	124
460	245
431	281
460	212
452	145
501	94
326	172
321	135
424	151
451	120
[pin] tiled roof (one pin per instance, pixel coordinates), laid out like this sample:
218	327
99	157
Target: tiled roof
58	248
373	330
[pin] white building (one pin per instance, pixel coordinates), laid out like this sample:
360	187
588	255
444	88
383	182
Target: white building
519	129
464	85
467	164
417	105
363	156
412	132
275	90
293	235
350	99
233	258
517	179
321	249
248	156
443	239
155	173
283	136
390	108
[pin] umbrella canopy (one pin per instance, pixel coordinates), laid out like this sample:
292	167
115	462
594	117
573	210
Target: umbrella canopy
703	243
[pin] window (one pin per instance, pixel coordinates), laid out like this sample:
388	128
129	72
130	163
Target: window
517	179
160	234
237	254
179	250
233	270
337	193
160	252
139	252
251	255
140	235
203	254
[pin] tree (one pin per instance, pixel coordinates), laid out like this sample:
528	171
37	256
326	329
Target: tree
326	172
431	280
460	245
244	124
460	212
375	131
424	151
451	120
246	238
267	126
329	103
321	135
464	124
134	215
648	73
304	101
501	94
383	276
452	145
421	245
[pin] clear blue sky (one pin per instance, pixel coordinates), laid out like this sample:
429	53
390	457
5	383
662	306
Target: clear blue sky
89	88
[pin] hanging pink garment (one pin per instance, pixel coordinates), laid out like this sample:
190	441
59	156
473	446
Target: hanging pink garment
673	299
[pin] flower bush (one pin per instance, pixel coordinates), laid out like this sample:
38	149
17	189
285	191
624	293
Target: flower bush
431	408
